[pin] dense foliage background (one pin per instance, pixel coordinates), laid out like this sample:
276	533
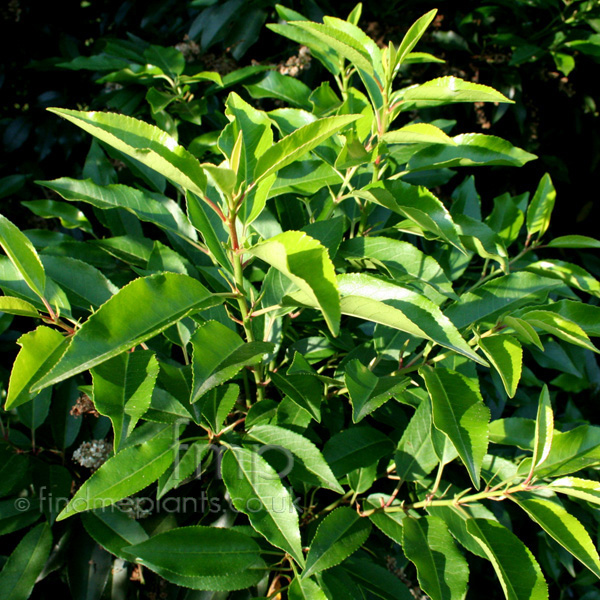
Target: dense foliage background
543	54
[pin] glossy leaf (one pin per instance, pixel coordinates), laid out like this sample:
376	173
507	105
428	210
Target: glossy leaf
517	569
298	143
182	467
152	208
459	412
585	315
585	489
23	255
17	306
367	391
305	589
544	430
256	491
123	389
306	262
127	472
415	455
119	324
540	207
563	527
148	144
446	90
219	354
573	275
383	302
524	330
499	295
198	551
354	448
573	241
441	568
413	35
40	351
303	450
24	565
390	523
70	216
339	535
218	404
469	150
506	354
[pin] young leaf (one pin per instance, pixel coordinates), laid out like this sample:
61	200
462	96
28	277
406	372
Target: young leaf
563	527
459	412
573	241
129	471
40	351
441	568
121	324
21	570
413	35
540	208
298	143
585	489
306	262
506	354
522	328
367	391
544	430
383	302
219	354
338	536
519	573
23	256
418	133
17	306
415	455
446	90
305	589
256	491
303	450
198	551
146	143
123	389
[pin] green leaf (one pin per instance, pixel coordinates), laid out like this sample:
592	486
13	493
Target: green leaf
469	150
123	389
298	143
418	133
441	568
198	551
377	581
304	451
23	256
572	275
367	391
148	144
253	130
183	467
390	523
354	448
585	489
290	90
416	203
113	530
506	219
127	472
459	412
563	527
404	262
306	262
519	573
446	90
120	324
338	536
220	354
558	326
412	36
25	564
305	589
305	389
585	315
544	430
499	295
506	354
415	455
522	328
478	237
146	206
17	306
573	241
40	351
540	207
305	178
218	404
256	491
70	216
571	451
383	302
